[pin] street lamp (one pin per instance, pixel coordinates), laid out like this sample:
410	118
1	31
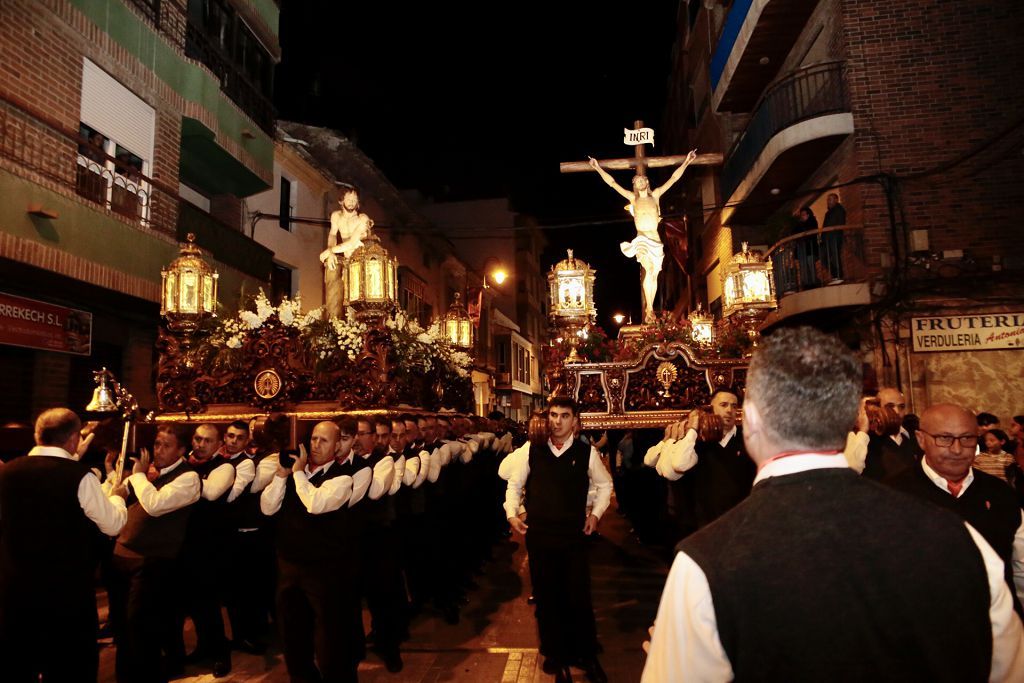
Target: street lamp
497	272
619	318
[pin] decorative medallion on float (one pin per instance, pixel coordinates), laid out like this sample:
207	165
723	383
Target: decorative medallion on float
267	384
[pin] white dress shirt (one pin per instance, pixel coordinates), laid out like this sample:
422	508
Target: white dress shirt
412	469
383	475
507	464
361	480
680	456
686	645
399	475
1018	536
245	472
106	511
328	497
265	472
218	481
856	451
172	496
520	471
434	464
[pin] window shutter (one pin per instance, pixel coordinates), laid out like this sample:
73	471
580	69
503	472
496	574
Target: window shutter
117	112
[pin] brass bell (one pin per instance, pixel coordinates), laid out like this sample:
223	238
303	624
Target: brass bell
102	397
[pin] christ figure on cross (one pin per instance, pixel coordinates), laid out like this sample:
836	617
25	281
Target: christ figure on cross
645	208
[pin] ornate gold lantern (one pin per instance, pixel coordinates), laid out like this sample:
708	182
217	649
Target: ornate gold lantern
702	327
748	290
370	280
571	283
188	289
458	326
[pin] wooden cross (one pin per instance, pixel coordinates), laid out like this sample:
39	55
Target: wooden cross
640	161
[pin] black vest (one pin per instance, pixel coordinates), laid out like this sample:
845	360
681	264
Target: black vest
556	488
721	478
156	537
885	459
380	512
244	512
44	534
825	576
989	505
304	538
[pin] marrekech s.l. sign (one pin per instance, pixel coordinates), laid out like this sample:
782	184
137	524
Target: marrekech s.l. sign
982	332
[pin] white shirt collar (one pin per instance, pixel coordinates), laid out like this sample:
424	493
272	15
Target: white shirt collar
52	451
942	483
563	449
173	466
899	436
791	464
323	468
727	437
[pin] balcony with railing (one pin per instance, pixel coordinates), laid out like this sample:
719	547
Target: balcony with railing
41	145
798	123
817	270
756	38
233	80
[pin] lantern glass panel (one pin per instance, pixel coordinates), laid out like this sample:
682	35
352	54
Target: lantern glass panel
451	331
755	285
465	333
354	275
170	284
702	332
189	293
374	279
571	293
208	294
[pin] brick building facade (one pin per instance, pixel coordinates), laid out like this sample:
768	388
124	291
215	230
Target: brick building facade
110	112
912	113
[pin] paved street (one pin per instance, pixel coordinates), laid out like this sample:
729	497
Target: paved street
497	637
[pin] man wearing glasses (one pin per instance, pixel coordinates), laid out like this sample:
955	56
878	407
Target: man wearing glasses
948	436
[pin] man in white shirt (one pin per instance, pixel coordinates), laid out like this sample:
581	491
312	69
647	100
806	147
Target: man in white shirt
51	506
797	582
318	607
556	477
144	605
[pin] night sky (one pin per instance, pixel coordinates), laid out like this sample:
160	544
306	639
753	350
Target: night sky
466	102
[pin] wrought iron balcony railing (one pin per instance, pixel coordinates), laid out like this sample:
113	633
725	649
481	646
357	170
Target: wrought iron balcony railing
233	81
818	258
804	94
41	145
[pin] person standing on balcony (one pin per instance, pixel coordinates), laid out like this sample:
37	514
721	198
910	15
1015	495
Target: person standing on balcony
832	242
807	248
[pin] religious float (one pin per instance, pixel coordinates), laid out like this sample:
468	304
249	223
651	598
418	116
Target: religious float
653	373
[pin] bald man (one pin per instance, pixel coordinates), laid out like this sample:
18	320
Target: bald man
948	436
318	606
51	506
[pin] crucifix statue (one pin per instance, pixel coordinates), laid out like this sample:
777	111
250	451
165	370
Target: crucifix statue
644	203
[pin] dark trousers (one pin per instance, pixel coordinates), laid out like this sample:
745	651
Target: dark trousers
205	568
560	573
142	602
318	611
48	630
251	568
415	555
383	585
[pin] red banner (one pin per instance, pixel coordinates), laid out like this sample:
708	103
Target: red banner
38	325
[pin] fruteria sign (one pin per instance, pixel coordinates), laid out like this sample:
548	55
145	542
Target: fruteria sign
38	325
968	332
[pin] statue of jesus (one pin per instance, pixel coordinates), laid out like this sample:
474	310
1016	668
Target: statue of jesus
644	206
348	229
